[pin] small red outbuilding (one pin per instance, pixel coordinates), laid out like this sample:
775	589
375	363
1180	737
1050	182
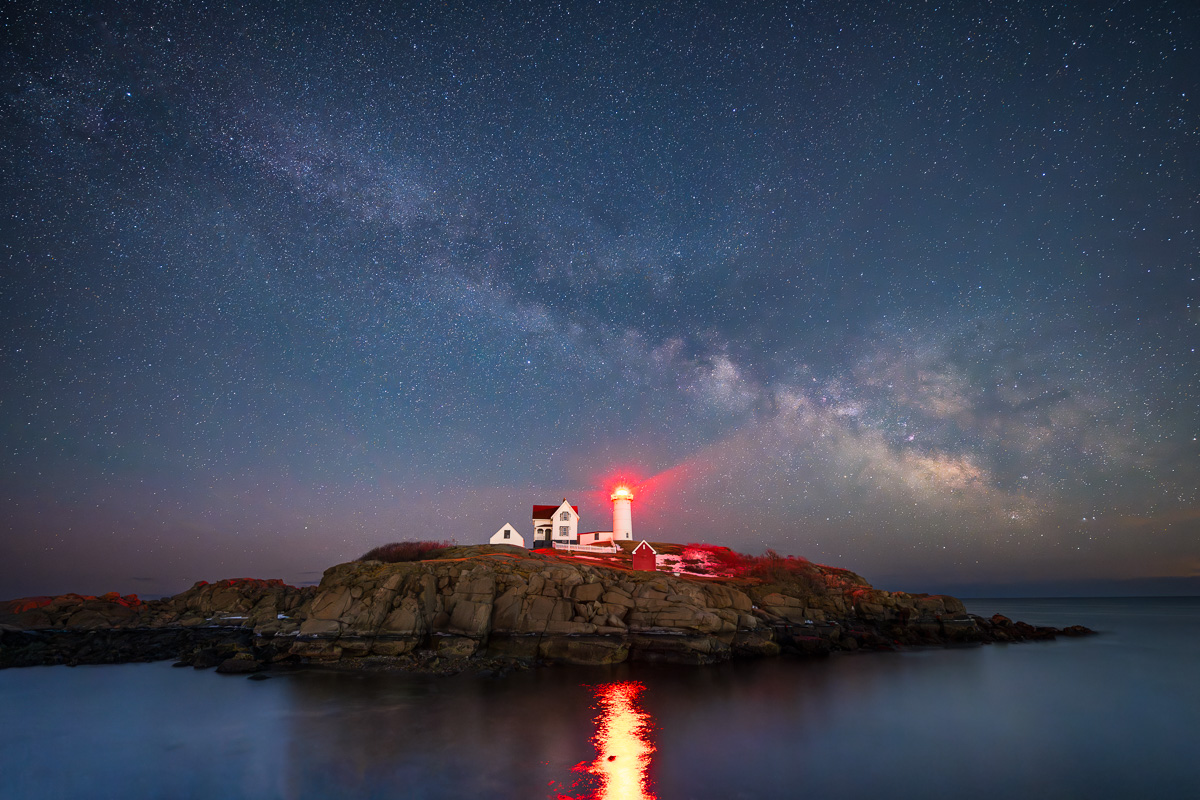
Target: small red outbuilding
645	557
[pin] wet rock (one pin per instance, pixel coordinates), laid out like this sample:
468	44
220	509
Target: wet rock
207	659
456	646
239	665
757	643
317	649
1077	630
394	646
585	650
808	646
519	648
678	649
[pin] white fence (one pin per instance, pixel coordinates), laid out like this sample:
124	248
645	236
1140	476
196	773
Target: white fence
587	548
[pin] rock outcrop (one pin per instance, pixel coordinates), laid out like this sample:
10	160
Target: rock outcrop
526	608
265	606
492	607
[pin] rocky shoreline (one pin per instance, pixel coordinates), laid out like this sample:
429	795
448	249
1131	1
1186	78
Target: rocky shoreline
491	609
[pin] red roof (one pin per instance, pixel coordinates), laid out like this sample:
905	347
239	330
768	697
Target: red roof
546	512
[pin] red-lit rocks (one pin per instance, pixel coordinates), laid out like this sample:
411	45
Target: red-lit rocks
72	612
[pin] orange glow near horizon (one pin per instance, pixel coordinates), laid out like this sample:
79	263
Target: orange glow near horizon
622	742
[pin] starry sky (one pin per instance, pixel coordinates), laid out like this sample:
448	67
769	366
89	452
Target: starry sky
908	288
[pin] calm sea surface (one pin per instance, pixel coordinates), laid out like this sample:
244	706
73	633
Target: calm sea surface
1111	716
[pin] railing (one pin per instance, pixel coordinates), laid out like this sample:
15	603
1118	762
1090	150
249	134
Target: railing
587	548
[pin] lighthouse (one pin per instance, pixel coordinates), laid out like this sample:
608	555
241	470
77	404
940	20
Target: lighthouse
622	500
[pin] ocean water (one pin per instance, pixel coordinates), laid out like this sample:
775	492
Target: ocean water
1110	716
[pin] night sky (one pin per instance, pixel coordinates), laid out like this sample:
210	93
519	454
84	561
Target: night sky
912	290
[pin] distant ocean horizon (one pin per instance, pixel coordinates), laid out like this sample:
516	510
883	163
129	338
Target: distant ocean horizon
1175	586
1108	716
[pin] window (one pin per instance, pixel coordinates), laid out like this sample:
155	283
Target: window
564	530
565	516
506	533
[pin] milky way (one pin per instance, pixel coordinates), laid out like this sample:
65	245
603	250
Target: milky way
909	290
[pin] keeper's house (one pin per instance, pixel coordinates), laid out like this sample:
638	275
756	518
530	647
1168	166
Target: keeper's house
555	524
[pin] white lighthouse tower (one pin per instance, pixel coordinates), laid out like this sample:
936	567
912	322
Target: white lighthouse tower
622	500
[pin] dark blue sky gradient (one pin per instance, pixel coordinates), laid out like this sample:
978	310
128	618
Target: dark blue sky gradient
909	290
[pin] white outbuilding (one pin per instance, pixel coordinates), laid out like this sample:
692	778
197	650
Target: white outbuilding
508	535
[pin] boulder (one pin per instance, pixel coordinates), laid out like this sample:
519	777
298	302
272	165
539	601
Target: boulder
781	601
793	614
521	647
806	646
588	592
618	597
455	646
584	650
320	627
754	644
470	617
331	603
405	619
316	649
675	649
242	664
393	647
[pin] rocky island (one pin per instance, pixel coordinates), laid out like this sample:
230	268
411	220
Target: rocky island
497	608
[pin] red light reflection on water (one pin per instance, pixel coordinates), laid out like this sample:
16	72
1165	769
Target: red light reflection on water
622	742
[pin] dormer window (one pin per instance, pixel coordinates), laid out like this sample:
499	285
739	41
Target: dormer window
565	516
